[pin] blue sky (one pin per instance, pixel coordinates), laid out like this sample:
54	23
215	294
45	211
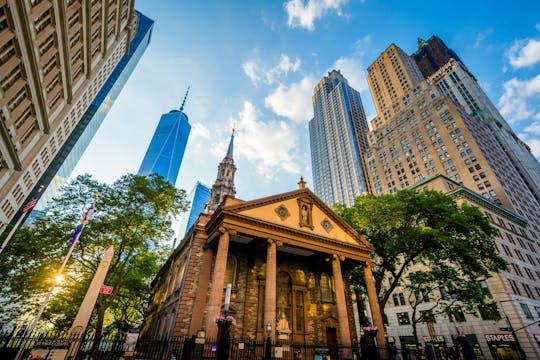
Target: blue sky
254	64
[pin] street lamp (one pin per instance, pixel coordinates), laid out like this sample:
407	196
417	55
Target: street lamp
268	351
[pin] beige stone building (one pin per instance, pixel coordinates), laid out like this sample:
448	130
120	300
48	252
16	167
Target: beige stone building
54	58
515	292
286	257
420	133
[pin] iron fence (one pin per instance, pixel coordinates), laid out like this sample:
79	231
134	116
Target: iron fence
238	349
114	346
111	346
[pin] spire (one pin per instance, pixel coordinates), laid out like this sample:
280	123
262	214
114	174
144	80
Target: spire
231	146
184	101
224	185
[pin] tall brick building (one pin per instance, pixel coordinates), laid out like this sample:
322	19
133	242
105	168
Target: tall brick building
286	257
445	125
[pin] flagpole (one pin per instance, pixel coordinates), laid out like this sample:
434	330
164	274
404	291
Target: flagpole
21	218
32	327
13	229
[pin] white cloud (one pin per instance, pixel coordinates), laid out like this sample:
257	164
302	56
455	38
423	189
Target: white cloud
352	66
285	65
354	72
251	69
269	146
255	72
199	130
482	36
302	14
293	101
524	53
515	103
534	144
534	128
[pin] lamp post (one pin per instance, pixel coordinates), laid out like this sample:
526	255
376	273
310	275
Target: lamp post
268	351
223	347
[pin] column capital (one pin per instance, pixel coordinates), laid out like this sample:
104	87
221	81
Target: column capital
223	230
338	257
273	241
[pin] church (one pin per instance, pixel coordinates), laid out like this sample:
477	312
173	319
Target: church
280	263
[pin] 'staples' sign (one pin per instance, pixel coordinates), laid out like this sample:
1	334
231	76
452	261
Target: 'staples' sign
499	337
106	289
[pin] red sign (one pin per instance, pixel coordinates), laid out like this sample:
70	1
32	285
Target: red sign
105	289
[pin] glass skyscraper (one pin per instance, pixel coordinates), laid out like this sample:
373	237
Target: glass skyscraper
65	161
198	197
337	135
166	149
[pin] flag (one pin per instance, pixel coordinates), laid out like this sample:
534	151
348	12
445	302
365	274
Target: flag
78	229
88	215
30	204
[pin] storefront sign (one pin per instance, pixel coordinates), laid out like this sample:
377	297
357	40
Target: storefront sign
499	337
434	338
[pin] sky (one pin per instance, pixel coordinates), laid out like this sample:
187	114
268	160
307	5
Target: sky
253	65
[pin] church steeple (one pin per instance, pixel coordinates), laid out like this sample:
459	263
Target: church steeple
224	184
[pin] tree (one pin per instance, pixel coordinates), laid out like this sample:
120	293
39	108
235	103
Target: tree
133	215
451	243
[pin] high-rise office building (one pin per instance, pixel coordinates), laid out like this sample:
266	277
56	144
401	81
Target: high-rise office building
432	55
452	78
70	153
166	150
337	138
198	198
390	77
55	57
428	132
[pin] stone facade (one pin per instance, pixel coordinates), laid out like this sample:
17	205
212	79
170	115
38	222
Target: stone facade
309	302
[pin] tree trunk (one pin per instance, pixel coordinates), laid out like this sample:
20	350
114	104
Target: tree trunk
99	330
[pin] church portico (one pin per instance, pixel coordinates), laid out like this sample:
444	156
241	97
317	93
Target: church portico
286	258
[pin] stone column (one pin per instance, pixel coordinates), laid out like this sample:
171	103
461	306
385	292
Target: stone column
270	287
374	306
341	304
218	279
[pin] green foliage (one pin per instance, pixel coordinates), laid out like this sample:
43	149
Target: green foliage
452	243
133	215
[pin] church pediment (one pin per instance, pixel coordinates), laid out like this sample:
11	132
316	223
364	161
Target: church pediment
300	210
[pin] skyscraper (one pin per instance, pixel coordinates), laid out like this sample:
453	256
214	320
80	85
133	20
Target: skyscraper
429	132
452	78
166	149
56	57
337	138
198	197
65	161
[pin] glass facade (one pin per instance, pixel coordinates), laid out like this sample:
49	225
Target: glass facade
198	197
166	149
70	153
337	139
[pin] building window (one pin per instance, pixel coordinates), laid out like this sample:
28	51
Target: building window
489	312
456	314
526	311
230	272
326	288
427	317
403	318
